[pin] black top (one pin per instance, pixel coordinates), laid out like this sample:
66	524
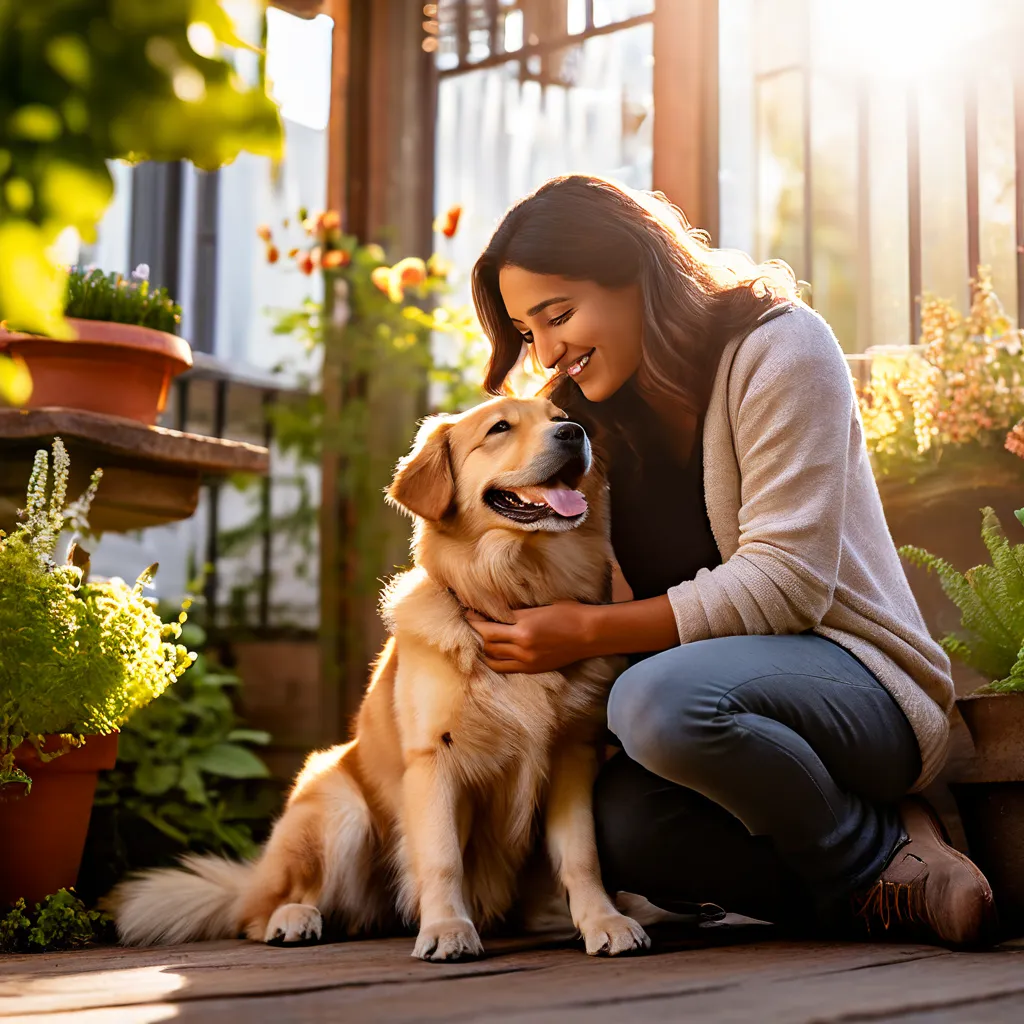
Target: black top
659	521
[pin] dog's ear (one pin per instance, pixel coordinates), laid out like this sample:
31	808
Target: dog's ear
423	484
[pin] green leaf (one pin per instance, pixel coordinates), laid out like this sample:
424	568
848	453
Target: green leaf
220	679
191	782
154	779
159	823
249	736
232	761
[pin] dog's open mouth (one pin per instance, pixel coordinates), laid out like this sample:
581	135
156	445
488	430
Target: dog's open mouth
555	497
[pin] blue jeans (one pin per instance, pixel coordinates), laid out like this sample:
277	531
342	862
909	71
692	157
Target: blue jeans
759	773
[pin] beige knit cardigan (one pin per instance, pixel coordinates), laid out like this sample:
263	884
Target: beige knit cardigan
799	524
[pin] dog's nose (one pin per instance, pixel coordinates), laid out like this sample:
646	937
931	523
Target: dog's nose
570	433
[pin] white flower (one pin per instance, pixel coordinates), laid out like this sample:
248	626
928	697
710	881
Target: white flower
141	272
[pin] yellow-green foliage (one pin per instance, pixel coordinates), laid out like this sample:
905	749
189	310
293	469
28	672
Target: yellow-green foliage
77	658
991	602
963	384
87	81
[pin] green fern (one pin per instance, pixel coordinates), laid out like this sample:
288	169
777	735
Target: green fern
991	602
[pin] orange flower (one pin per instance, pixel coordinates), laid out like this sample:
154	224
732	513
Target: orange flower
263	231
381	278
306	264
273	255
335	258
449	223
292	253
410	272
330	220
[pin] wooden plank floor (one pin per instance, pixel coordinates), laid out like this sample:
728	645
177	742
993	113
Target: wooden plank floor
729	972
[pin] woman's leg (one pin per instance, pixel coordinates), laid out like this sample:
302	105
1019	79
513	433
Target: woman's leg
680	849
791	736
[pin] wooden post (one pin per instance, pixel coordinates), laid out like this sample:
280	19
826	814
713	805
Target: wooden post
686	108
380	178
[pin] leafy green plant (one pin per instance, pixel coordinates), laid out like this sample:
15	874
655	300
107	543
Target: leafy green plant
77	658
187	778
93	295
86	81
991	603
60	922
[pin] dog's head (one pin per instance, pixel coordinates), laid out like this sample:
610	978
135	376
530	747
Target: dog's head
517	464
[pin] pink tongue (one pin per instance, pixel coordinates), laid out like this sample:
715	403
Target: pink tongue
565	502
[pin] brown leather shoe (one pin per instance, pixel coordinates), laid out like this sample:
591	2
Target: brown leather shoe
929	891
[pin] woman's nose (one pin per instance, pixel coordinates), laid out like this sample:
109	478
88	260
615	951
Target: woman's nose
548	352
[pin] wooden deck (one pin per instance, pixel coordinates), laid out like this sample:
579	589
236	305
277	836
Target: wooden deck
728	972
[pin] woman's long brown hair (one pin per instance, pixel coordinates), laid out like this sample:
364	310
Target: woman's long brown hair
695	298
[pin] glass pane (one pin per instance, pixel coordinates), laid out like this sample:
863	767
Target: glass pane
779	33
834	206
606	12
780	170
448	34
501	134
736	126
576	17
996	183
943	189
889	263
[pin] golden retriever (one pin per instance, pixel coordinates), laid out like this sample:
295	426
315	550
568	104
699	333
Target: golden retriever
431	813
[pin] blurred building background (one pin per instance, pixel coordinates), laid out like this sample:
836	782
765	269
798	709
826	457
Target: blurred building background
877	147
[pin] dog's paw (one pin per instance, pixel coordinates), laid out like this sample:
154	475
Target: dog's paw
453	939
612	935
294	924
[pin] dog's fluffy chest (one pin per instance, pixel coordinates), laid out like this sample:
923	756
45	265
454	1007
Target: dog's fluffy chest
483	722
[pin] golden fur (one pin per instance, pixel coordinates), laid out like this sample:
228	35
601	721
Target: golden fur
430	814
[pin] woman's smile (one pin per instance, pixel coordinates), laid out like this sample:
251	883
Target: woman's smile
588	332
577	366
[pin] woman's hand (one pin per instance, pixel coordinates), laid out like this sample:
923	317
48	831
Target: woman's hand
549	638
539	639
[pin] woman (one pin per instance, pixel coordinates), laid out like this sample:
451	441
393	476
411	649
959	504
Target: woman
785	695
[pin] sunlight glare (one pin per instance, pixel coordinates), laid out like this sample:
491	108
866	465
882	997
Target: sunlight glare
897	38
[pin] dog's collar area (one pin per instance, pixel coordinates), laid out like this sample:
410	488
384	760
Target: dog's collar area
463	607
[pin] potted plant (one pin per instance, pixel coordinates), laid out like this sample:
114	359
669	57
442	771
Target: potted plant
989	789
124	354
935	415
78	658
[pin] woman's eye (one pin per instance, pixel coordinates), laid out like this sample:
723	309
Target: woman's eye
500	427
563	319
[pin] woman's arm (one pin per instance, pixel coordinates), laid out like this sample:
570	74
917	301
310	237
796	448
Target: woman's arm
797	440
632	627
556	635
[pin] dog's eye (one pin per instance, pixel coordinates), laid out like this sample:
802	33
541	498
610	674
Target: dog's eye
500	427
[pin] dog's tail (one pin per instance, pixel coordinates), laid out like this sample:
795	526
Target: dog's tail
199	900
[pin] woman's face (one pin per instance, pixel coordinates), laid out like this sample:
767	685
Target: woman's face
589	332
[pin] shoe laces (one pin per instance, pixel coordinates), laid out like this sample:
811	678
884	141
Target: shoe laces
891	904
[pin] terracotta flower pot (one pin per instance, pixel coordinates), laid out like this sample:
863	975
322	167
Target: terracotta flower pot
118	369
44	832
989	793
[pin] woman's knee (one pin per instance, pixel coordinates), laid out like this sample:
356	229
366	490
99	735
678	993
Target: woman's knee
661	716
